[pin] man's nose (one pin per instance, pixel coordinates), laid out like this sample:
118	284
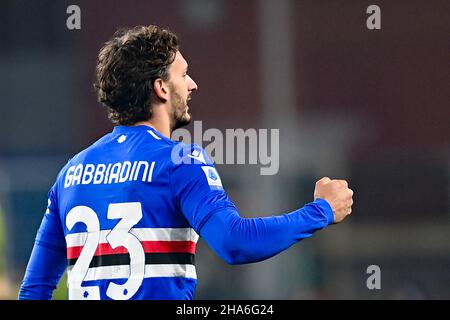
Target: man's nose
192	85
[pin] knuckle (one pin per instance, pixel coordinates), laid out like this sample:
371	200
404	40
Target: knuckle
323	180
340	184
335	183
350	191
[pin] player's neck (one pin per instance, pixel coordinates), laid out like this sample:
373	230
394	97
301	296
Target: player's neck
159	122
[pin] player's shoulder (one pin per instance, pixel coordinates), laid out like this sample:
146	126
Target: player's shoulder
189	154
192	163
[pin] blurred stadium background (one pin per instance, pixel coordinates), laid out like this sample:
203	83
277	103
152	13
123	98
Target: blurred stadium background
368	106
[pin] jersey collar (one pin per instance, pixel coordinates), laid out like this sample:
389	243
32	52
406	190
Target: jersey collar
128	129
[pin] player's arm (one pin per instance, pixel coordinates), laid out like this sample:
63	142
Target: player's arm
48	258
243	240
240	240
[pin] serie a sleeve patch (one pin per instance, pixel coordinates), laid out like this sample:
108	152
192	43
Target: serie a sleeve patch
212	176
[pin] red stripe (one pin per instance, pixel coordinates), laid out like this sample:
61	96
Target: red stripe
149	247
169	246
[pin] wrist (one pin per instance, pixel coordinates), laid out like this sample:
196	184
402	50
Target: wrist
326	209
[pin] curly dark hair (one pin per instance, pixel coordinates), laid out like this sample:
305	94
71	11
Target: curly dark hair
127	67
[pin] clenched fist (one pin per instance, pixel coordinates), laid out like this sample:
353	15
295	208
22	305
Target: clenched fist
337	194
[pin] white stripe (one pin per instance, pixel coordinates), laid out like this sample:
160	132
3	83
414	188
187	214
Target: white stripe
151	271
154	135
143	234
150	174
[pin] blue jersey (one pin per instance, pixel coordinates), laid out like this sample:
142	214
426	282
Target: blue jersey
125	214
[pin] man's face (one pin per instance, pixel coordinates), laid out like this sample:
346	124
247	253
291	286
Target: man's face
181	87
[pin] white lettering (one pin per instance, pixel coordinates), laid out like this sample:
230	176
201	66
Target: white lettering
102	173
374	280
144	174
74	20
69	177
150	174
125	171
115	170
373	22
99	173
132	170
240	135
107	173
88	174
215	148
273	160
77	174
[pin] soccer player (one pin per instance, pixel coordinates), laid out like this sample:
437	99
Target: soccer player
125	214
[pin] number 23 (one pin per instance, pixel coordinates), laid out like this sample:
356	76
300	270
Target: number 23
130	213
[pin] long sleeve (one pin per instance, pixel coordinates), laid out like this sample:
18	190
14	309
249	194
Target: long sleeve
48	258
244	240
199	193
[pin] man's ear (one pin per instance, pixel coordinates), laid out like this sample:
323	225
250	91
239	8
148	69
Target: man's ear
161	90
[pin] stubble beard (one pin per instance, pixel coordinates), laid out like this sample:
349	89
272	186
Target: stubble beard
181	115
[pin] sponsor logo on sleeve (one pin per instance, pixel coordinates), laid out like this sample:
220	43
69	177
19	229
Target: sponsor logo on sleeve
212	177
197	155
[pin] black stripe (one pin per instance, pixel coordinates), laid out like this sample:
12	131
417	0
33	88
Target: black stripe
150	258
